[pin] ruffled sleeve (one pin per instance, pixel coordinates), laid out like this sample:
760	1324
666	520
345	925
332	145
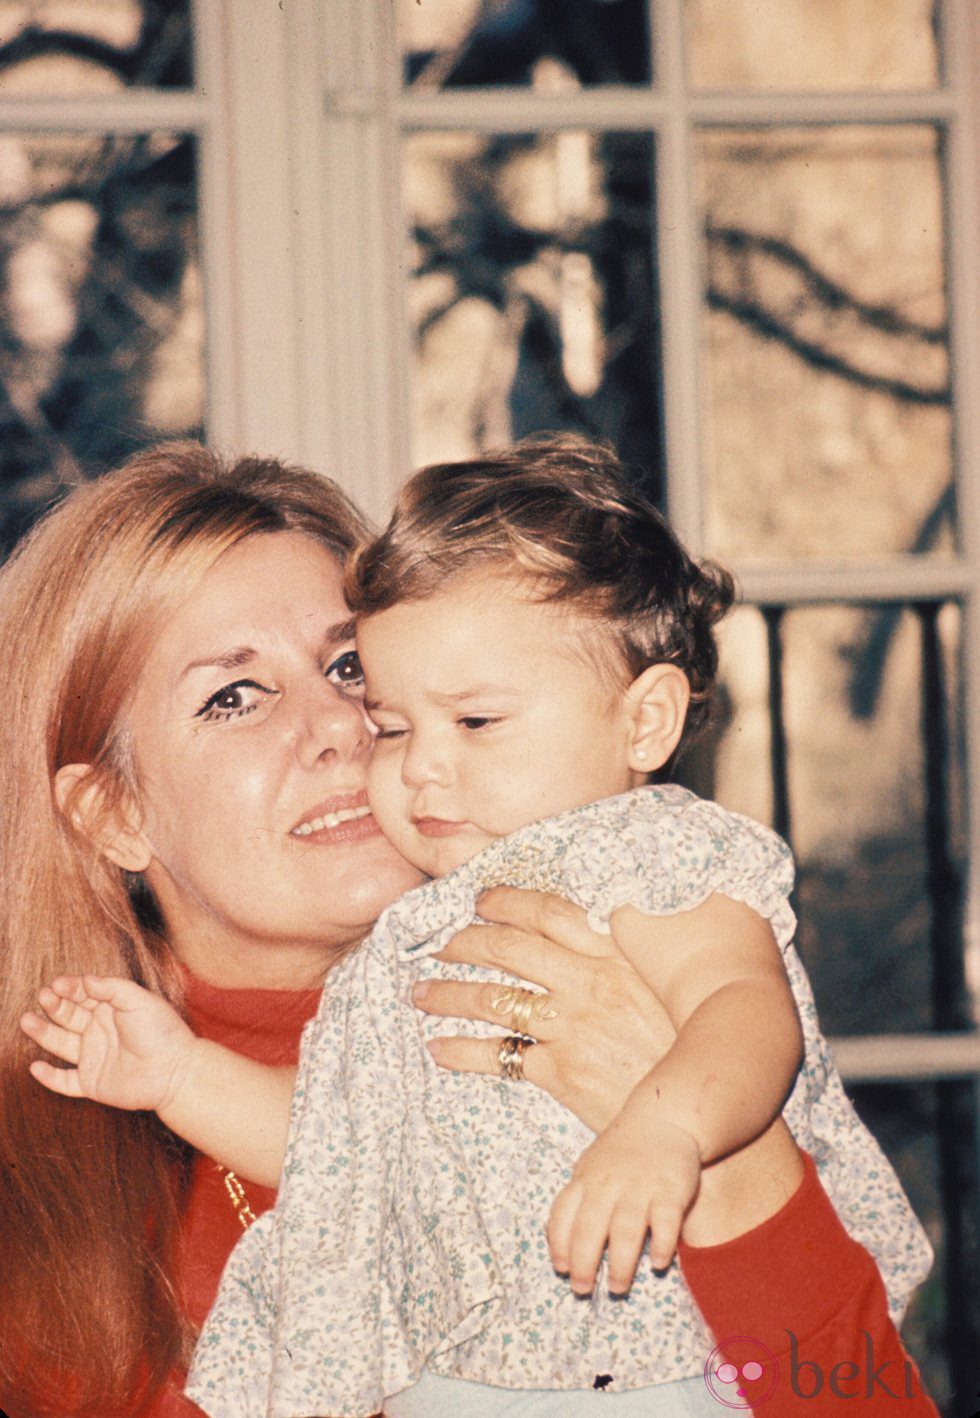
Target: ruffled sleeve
664	850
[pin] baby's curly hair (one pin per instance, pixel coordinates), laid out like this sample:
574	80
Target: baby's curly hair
562	511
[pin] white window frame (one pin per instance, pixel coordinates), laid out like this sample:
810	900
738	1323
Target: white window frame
300	114
366	116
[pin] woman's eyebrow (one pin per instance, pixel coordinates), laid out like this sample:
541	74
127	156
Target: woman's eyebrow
222	659
233	659
340	631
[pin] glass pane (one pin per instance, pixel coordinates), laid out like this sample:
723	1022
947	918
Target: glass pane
826	305
797	44
100	306
870	758
548	44
73	47
909	1121
872	930
532	291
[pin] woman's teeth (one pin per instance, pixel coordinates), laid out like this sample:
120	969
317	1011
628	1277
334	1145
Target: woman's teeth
329	819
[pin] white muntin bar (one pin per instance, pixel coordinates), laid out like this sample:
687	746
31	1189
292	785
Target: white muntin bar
623	109
904	579
128	111
907	1057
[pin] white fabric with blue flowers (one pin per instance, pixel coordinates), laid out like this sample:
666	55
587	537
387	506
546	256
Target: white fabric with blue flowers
409	1231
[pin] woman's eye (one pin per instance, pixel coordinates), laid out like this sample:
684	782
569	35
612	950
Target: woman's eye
390	733
232	701
478	721
346	673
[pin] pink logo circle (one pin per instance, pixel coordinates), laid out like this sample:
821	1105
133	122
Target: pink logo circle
735	1363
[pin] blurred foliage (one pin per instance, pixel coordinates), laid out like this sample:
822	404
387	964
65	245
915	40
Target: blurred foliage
97	241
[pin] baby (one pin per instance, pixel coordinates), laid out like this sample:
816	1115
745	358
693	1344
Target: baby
535	644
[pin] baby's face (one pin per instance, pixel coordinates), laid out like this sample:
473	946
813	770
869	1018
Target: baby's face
490	714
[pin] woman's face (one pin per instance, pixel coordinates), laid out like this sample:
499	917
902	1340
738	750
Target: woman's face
251	749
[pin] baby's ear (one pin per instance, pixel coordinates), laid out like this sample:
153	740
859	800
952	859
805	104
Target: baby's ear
115	830
657	702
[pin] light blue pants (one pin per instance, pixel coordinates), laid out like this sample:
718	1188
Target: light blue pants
436	1397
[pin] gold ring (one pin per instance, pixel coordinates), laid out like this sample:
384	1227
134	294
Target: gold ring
524	1007
511	1057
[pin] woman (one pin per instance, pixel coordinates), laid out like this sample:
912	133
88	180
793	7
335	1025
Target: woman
179	663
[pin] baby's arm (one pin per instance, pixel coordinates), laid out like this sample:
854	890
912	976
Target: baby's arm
719	973
130	1049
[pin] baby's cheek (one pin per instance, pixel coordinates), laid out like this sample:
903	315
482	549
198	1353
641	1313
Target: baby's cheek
387	798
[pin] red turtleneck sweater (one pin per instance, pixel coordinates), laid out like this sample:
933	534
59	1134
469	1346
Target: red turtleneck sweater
265	1025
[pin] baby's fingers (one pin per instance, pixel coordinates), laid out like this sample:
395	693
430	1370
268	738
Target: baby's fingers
63	1043
559	1229
57	1080
627	1232
577	1235
665	1228
65	1011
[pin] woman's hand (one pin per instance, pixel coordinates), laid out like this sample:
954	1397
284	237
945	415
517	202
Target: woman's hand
607	1029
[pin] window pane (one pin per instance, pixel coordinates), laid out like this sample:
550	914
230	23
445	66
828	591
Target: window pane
73	47
871	703
878	879
827	411
532	297
545	43
101	308
797	44
910	1122
873	931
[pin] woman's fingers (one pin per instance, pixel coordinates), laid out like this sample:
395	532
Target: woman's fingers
539	913
494	1003
523	954
529	957
483	1056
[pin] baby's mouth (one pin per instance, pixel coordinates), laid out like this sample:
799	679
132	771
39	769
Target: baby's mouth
436	826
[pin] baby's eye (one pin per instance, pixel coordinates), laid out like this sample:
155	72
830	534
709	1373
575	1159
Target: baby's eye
478	721
346	673
232	701
390	733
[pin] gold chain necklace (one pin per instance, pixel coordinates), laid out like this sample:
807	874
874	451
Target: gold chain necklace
237	1197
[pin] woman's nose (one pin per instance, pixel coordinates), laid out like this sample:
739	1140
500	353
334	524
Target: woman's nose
331	723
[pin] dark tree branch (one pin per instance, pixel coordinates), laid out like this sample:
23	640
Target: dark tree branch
770	327
36	43
829	293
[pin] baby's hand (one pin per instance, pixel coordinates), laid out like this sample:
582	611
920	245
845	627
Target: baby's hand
622	1187
128	1047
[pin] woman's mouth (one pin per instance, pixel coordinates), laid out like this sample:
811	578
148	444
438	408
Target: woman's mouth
349	822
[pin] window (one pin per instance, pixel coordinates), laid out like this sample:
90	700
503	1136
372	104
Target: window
740	241
101	278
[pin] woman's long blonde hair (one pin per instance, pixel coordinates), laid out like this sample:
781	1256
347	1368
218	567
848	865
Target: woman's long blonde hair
90	1197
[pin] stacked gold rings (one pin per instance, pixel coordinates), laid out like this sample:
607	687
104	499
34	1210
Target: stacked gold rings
511	1057
526	1009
